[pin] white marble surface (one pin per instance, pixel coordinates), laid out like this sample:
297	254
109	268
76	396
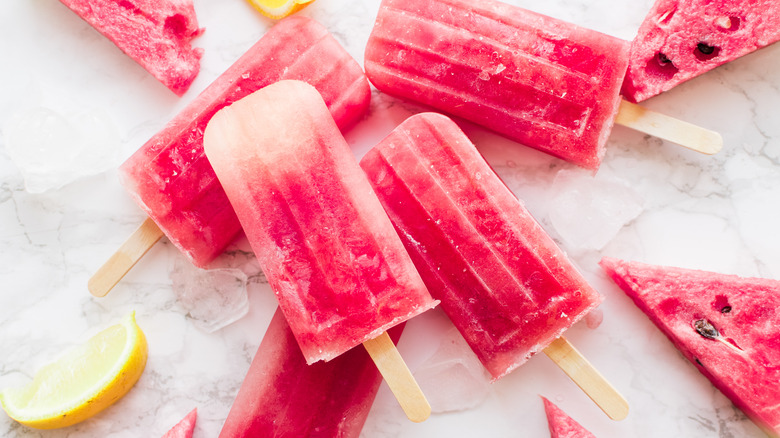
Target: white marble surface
718	213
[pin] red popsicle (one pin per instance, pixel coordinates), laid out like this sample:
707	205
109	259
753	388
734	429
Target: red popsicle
282	396
170	177
327	248
501	279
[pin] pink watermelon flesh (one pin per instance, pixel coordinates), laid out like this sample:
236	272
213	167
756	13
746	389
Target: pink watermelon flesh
681	39
185	427
155	33
562	425
727	326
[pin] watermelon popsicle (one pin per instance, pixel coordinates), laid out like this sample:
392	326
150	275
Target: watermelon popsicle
543	82
501	279
283	396
327	248
170	177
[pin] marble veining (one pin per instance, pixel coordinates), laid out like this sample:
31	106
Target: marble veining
717	213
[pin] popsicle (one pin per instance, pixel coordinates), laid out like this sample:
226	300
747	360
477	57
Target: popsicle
156	34
727	326
327	248
170	177
682	39
540	81
501	279
282	396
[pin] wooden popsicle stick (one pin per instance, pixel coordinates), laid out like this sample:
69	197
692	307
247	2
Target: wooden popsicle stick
124	258
668	128
587	378
398	377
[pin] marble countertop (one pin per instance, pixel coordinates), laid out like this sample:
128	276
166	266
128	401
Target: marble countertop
651	201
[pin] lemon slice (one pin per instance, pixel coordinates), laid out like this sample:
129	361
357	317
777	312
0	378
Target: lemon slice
279	8
83	382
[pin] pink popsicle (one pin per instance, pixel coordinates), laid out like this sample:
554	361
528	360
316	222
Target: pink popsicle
322	239
170	177
282	396
327	248
500	278
540	81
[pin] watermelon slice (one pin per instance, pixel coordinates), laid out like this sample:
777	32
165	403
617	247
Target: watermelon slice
681	39
562	425
727	326
155	33
185	427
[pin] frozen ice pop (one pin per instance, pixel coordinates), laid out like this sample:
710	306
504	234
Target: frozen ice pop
327	248
501	279
170	177
540	81
543	82
727	326
156	34
681	39
282	396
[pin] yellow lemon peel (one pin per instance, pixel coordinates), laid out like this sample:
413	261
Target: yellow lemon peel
277	9
83	382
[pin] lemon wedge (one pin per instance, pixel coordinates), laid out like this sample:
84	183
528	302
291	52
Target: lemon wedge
279	8
83	382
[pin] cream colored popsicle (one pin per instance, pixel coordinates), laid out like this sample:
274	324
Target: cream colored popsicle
329	251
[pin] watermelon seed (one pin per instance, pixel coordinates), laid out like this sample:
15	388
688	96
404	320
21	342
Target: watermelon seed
704	48
705	51
725	309
706	329
663	59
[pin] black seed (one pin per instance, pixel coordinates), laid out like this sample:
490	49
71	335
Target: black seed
726	309
706	49
706	329
699	362
663	59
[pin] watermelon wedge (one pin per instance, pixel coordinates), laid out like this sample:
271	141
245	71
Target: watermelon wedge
681	39
185	427
155	33
727	326
562	425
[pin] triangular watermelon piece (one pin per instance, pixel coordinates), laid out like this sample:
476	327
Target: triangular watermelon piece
155	33
681	39
185	427
562	425
727	326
